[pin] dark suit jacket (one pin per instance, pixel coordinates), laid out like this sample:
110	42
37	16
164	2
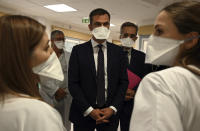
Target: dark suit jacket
137	64
82	79
139	67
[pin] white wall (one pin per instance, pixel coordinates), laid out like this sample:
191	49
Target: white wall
137	44
44	22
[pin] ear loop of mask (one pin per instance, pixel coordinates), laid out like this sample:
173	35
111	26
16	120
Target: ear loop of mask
191	38
198	43
197	46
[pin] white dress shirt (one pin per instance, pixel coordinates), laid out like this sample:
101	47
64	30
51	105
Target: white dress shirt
95	51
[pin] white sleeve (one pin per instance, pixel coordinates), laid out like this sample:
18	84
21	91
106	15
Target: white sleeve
44	118
48	85
88	111
156	107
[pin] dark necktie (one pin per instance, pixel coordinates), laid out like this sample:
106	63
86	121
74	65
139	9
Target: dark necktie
100	78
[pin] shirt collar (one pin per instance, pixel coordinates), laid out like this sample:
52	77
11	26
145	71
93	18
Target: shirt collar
95	44
127	50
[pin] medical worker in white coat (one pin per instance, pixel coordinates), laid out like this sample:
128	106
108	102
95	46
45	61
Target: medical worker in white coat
56	92
25	52
169	100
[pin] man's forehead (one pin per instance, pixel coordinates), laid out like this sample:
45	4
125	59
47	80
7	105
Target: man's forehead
59	36
103	17
129	29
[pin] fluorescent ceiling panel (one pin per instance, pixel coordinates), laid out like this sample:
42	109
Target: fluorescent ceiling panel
60	8
112	25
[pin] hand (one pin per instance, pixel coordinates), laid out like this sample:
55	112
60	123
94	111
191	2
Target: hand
107	113
60	94
129	94
96	114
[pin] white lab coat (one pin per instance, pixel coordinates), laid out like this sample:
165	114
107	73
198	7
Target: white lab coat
26	114
167	100
50	86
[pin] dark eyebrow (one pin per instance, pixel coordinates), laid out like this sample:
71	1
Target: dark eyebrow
102	22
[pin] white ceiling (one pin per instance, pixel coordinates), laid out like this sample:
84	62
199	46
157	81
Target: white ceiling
142	12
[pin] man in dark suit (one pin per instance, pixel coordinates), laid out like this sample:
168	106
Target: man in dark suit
128	36
97	78
137	69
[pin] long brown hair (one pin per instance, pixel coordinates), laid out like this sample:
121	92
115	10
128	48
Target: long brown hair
186	17
18	37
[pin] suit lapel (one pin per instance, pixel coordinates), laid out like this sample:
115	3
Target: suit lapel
91	59
109	61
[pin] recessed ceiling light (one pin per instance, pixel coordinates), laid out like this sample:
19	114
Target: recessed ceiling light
112	25
60	8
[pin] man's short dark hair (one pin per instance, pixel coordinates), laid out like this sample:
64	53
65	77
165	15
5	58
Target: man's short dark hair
98	11
128	24
56	32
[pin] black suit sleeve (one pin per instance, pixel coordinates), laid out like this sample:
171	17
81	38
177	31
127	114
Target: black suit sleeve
74	82
123	81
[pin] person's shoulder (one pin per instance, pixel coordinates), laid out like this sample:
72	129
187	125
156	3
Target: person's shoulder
83	44
173	82
161	81
37	112
30	107
34	105
81	47
173	71
169	75
113	45
32	114
165	72
115	48
138	52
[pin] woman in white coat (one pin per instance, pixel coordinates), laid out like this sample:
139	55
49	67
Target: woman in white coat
169	100
24	50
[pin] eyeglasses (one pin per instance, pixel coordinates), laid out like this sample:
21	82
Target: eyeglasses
130	35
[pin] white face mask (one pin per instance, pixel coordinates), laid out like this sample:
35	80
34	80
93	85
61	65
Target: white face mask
127	42
101	32
162	51
69	46
59	44
50	68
